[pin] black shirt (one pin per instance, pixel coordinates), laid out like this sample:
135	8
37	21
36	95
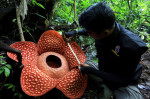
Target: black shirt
118	57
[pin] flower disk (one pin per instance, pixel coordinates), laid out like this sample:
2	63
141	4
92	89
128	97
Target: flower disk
53	64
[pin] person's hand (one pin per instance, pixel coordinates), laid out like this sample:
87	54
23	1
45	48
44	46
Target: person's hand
83	65
68	39
69	34
19	57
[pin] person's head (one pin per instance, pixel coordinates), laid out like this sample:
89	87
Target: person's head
98	20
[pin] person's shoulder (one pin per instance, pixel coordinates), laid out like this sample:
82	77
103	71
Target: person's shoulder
130	40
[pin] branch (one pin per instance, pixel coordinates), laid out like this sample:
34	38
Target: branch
19	24
74	10
128	4
63	27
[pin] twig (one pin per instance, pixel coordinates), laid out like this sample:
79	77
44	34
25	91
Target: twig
74	9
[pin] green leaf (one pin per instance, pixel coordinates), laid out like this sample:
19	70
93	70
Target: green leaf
15	94
13	89
40	5
34	2
14	20
9	66
95	60
3	62
40	15
11	86
19	95
2	57
2	67
7	84
7	72
1	71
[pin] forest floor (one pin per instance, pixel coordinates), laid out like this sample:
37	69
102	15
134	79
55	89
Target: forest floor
144	84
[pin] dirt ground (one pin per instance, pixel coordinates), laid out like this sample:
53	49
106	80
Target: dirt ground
144	84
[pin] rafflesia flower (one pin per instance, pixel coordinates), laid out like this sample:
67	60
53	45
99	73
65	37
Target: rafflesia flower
51	64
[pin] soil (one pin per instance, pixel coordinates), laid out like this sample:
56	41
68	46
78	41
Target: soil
144	84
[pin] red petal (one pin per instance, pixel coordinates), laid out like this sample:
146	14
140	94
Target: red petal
28	51
36	83
53	64
73	84
71	58
51	41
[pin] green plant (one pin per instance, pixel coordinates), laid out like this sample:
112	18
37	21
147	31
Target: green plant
10	86
4	67
34	2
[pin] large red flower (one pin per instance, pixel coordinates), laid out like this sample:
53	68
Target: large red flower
49	64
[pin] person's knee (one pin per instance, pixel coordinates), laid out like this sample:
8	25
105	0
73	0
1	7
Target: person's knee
129	92
95	79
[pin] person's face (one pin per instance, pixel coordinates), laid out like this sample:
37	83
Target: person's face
98	36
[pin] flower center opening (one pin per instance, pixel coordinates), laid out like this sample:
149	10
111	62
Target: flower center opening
53	61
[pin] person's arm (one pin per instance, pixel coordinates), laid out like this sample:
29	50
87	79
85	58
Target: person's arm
128	64
5	47
79	32
118	80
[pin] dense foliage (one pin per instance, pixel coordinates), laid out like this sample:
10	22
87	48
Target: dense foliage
132	14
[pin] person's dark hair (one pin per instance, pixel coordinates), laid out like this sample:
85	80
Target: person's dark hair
97	17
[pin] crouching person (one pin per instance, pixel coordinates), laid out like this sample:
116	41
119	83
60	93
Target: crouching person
118	52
